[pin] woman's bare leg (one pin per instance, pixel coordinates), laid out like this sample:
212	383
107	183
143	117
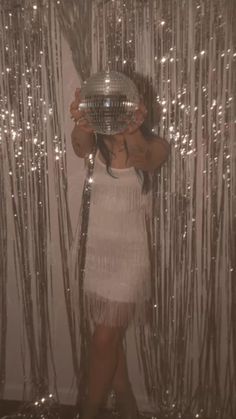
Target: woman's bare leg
120	382
121	385
102	366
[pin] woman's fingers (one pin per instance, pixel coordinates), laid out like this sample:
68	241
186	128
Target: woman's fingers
74	106
140	113
82	122
75	114
138	118
135	123
142	108
76	101
78	115
77	95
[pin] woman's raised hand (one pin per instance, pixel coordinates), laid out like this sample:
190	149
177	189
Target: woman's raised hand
79	116
138	118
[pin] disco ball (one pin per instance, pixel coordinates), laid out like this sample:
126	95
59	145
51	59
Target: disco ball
109	99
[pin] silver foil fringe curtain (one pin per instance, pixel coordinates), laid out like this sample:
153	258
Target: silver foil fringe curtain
33	178
182	56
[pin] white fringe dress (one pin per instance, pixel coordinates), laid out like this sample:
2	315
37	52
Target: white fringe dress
117	268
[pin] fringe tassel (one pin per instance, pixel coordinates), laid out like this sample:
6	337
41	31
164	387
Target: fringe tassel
115	313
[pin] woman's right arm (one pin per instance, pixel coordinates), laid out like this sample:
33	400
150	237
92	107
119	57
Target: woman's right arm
82	141
82	136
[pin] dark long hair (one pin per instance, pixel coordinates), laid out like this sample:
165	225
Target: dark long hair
107	155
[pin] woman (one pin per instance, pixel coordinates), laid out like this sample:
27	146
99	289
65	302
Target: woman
117	269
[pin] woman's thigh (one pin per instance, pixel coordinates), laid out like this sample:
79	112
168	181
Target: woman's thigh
106	338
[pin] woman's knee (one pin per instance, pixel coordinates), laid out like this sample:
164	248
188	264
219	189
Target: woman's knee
106	339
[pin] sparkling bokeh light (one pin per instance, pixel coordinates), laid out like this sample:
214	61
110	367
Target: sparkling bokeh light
181	56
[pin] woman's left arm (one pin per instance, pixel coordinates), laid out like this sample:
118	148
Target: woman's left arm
144	154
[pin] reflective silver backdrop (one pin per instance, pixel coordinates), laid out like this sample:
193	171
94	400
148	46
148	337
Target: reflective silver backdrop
182	55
